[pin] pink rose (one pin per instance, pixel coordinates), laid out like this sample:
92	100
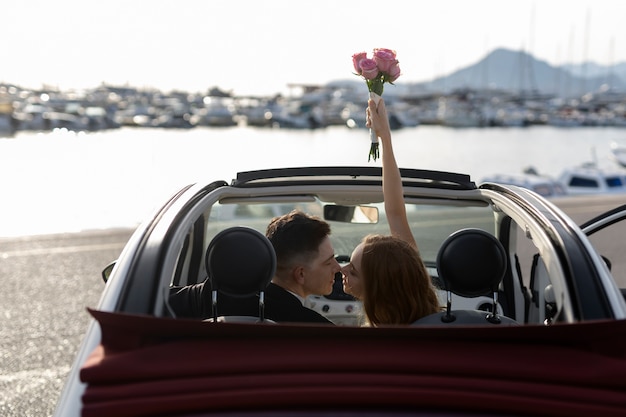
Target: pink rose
369	69
385	58
394	72
356	59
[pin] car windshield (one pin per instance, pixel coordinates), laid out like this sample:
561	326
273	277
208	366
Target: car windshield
431	224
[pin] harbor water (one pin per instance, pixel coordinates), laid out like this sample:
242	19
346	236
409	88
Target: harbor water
62	181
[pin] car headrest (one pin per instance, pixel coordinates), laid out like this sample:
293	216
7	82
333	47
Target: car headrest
240	261
471	262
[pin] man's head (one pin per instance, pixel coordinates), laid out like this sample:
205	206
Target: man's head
305	256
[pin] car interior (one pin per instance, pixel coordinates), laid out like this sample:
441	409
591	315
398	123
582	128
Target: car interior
501	280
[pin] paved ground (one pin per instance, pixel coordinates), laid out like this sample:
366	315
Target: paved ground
48	281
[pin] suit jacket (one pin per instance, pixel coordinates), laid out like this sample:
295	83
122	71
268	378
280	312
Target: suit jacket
282	306
194	301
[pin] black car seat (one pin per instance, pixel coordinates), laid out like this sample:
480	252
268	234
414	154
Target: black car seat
240	262
470	263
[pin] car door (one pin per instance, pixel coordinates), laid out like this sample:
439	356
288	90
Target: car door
607	233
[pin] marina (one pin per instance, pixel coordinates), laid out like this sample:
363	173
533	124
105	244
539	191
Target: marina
337	103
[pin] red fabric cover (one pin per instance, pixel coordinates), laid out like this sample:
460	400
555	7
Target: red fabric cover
151	366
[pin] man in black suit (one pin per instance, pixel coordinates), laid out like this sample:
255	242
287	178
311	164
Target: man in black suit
306	265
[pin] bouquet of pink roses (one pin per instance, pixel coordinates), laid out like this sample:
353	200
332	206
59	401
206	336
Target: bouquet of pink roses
382	68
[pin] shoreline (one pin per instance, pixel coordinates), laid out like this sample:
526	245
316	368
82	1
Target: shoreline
95	233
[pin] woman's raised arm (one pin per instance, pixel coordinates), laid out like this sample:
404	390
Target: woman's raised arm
395	209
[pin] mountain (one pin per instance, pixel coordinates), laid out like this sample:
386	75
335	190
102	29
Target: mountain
591	69
518	71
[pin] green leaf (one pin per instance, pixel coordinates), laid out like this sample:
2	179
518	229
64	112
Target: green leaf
374	153
376	86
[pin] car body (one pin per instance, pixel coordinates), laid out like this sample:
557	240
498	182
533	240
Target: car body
561	356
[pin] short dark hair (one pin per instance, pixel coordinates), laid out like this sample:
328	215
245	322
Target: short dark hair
296	235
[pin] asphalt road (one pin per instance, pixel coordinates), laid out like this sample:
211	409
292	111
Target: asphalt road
48	281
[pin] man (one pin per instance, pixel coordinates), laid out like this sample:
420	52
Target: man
306	265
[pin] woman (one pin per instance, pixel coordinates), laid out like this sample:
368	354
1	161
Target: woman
386	272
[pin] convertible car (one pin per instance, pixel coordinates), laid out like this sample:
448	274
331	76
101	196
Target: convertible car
532	321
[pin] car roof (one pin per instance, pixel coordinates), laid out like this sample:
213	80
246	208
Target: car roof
355	176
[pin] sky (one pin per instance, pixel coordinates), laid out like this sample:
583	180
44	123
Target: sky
260	47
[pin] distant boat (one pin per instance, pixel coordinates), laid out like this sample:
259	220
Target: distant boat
619	153
400	115
530	179
460	110
7	124
217	112
31	116
591	179
62	120
7	127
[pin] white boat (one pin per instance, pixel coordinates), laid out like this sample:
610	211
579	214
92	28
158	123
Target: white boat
589	178
7	127
136	115
460	110
618	153
61	120
7	124
541	184
31	116
217	112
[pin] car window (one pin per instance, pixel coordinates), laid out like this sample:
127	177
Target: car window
254	215
431	224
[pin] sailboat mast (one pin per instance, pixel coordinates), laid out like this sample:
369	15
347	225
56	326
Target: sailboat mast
583	89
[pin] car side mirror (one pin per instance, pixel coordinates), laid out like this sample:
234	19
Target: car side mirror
351	214
106	272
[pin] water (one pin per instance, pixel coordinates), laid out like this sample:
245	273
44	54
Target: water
66	182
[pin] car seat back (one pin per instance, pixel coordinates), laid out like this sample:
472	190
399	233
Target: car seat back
240	263
470	263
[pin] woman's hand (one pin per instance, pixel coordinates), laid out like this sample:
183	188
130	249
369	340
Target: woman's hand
377	119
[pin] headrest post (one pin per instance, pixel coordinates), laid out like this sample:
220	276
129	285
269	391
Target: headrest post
495	303
493	316
214	305
261	305
448	317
